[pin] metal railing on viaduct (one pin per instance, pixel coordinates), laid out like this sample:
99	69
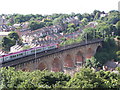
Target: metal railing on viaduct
33	57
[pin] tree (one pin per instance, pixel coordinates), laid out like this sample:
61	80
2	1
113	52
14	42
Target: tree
36	25
10	78
13	35
92	62
95	12
26	47
90	32
7	43
88	16
118	27
87	78
10	40
97	16
107	52
84	21
70	29
57	21
84	79
79	16
113	17
105	29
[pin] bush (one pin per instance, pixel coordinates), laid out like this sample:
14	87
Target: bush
118	53
118	37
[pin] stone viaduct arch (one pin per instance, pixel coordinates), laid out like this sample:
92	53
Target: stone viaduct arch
65	60
42	66
56	65
79	58
89	53
68	62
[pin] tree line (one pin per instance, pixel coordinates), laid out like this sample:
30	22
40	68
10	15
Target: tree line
85	78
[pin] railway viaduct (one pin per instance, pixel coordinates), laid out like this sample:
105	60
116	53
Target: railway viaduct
67	59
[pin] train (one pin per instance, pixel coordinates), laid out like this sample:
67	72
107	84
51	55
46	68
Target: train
23	53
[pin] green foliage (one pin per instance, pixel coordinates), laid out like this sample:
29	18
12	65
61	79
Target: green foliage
19	18
92	62
118	37
106	30
84	21
70	30
26	47
112	17
13	35
87	78
107	52
118	69
90	32
7	43
87	17
71	27
36	25
82	79
57	21
10	40
97	16
71	41
118	25
118	55
27	80
68	42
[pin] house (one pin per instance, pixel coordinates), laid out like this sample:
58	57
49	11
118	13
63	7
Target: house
3	20
111	65
25	25
22	32
27	38
16	25
15	48
103	14
3	34
5	28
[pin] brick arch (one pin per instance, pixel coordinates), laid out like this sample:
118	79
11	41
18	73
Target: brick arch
98	48
89	53
56	65
42	66
68	62
25	69
79	57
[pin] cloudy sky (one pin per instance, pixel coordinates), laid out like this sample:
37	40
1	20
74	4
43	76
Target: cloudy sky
56	6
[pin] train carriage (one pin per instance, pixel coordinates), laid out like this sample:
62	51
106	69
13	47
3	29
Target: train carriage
33	50
49	47
41	49
15	55
12	56
1	58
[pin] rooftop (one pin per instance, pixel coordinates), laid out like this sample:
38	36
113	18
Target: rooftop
4	33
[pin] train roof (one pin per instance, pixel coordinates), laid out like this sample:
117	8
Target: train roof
15	53
1	56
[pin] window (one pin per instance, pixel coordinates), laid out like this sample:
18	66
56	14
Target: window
51	47
33	51
38	50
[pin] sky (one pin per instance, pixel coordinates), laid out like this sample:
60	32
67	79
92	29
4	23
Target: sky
56	6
